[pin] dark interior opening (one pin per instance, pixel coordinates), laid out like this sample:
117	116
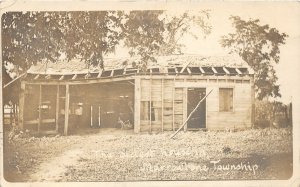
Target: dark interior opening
198	118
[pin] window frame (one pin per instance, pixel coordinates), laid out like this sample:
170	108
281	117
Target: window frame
233	99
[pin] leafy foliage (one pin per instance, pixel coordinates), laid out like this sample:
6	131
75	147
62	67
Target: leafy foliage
259	46
176	26
31	37
90	35
271	114
143	33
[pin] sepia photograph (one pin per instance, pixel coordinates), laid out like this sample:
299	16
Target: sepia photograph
202	93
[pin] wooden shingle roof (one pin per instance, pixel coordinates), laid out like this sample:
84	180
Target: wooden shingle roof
173	64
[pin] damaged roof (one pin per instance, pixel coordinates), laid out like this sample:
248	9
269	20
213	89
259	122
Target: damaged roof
173	64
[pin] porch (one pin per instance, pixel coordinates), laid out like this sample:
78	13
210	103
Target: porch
89	106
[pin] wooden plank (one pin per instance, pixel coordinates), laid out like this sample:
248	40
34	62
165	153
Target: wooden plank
144	86
87	76
21	105
57	109
130	77
162	105
67	105
173	104
189	71
32	122
156	90
10	82
91	115
48	77
62	77
150	106
36	77
239	72
40	109
74	77
252	102
203	84
214	70
137	105
100	73
99	116
184	108
202	70
226	70
185	66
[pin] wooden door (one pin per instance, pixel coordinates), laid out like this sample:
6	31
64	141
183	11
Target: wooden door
198	119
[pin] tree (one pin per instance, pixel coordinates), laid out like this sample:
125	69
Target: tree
91	35
176	26
31	37
143	34
151	33
259	45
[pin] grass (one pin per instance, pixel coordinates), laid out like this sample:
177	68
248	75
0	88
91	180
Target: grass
114	155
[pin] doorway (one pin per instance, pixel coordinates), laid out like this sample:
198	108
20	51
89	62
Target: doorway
198	118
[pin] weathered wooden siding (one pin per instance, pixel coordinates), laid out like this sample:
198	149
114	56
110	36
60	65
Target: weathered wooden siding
165	100
178	107
168	104
240	117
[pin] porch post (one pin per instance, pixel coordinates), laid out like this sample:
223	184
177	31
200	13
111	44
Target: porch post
252	102
67	103
137	104
173	105
40	109
99	116
184	112
162	104
91	115
150	105
57	109
21	105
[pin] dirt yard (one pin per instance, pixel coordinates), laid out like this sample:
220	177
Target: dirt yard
115	155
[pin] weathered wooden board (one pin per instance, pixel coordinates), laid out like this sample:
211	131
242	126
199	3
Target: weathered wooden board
240	117
137	104
169	107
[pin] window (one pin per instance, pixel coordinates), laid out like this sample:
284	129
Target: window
155	110
226	99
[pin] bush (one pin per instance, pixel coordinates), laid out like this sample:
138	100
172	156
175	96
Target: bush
270	114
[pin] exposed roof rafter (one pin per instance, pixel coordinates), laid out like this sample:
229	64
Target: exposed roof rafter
189	71
48	76
214	70
37	76
239	72
202	70
226	70
74	77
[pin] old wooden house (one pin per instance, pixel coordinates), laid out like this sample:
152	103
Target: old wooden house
63	96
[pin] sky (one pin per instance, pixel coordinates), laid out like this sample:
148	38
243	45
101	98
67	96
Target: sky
284	17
